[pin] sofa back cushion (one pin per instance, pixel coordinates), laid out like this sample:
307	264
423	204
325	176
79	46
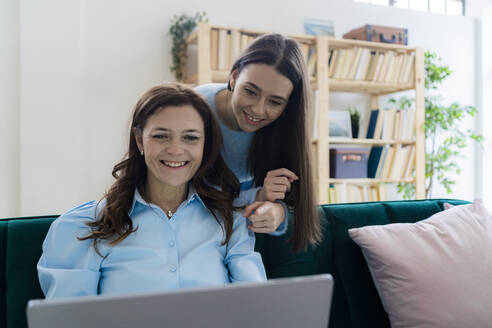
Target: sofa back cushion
20	241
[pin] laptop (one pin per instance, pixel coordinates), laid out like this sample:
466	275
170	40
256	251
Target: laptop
287	303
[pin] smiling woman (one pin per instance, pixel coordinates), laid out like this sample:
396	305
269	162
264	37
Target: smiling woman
263	113
169	212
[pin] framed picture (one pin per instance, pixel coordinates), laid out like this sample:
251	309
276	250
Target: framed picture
340	124
318	27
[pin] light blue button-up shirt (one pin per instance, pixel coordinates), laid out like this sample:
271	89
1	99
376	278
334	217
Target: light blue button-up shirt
162	254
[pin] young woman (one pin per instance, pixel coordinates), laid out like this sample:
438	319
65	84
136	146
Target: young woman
262	112
167	222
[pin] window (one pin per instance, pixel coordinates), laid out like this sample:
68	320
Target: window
449	7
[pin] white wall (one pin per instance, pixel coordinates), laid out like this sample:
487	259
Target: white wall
483	10
84	64
9	108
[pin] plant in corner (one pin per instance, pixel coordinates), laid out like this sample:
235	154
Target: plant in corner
444	139
180	29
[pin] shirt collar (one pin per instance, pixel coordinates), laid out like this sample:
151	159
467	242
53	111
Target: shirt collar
192	195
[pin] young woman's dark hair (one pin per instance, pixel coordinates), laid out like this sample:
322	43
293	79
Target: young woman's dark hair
284	143
114	223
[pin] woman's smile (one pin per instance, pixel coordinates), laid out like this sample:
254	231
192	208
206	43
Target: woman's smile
174	165
252	120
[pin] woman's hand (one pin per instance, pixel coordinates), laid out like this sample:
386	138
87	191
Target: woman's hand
276	184
265	216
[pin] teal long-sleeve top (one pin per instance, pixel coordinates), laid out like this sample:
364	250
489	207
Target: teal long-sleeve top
235	154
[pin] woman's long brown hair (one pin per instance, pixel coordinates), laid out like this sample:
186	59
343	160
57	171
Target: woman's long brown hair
285	143
214	182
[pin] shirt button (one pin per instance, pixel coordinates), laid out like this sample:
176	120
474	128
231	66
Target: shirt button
173	269
171	244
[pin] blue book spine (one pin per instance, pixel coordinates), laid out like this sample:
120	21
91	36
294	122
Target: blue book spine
372	123
373	161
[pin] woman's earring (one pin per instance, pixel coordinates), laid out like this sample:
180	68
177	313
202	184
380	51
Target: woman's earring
141	152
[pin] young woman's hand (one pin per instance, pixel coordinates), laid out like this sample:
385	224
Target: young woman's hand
265	216
276	184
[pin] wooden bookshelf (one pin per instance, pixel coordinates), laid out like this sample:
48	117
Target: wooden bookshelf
214	57
394	78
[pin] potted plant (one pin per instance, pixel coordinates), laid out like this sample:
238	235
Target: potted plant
354	121
444	139
180	29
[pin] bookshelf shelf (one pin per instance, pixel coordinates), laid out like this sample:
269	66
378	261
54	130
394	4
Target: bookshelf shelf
369	142
370	87
370	181
347	43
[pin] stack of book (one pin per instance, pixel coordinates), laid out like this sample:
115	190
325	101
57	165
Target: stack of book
391	161
227	44
359	63
350	193
391	124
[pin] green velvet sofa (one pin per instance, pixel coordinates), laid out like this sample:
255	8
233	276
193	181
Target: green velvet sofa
355	300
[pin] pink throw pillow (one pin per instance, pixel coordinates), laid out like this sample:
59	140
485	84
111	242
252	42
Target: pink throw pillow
436	272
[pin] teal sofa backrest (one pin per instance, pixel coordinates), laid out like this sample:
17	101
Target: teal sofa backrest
355	300
20	249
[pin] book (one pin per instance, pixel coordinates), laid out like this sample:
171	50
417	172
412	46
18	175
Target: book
371	66
332	61
406	57
372	123
376	151
401	152
409	163
373	161
388	162
379	125
388	58
228	50
378	63
408	128
214	48
393	72
354	66
235	47
406	77
339	63
244	42
222	52
349	57
365	58
382	192
373	194
311	63
397	129
382	159
389	124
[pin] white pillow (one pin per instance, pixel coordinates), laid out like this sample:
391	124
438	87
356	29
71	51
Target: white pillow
436	272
